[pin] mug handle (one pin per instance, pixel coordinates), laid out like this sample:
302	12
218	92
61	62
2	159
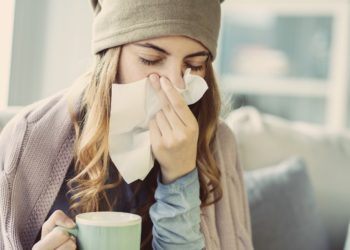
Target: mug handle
72	231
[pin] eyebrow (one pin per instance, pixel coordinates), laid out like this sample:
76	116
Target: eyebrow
152	46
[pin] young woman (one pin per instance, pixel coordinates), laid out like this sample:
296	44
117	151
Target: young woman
54	155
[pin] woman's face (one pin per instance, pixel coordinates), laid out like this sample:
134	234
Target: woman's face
167	56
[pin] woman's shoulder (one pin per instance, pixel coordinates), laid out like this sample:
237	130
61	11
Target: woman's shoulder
227	149
234	194
31	113
48	107
226	135
23	124
45	123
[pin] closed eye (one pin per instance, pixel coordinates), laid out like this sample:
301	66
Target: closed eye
148	62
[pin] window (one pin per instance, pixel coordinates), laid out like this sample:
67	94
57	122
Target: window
287	58
47	45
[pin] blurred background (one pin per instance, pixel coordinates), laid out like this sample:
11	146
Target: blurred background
287	58
283	71
45	45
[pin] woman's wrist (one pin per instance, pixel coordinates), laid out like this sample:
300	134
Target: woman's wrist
167	178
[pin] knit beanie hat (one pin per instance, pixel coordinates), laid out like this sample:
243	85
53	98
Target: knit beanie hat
118	22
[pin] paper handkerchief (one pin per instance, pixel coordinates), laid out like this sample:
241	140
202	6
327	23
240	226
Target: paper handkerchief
133	105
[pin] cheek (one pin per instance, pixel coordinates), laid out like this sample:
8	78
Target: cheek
131	71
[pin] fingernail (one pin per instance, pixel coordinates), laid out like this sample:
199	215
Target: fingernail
153	77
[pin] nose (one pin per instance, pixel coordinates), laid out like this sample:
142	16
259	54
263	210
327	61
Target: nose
175	75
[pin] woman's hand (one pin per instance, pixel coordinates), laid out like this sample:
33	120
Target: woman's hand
173	131
53	237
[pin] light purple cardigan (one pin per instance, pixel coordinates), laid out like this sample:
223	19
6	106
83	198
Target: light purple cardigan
35	152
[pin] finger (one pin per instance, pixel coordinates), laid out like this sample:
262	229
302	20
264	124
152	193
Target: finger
165	104
163	124
58	218
174	120
177	101
53	239
155	134
68	245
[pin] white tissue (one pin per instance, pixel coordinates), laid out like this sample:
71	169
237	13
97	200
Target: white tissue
133	105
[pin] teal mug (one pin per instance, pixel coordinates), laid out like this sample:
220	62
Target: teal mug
107	231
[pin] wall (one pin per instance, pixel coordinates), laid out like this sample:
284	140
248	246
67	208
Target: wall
51	47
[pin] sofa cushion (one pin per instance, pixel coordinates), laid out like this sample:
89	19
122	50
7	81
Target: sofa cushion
347	242
266	139
283	210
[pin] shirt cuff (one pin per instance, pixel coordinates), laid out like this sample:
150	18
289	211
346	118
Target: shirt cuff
179	184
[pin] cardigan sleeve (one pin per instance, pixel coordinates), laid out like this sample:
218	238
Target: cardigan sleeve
11	139
2	202
2	247
5	136
244	199
235	186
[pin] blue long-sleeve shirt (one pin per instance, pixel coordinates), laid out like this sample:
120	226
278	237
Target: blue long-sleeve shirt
175	214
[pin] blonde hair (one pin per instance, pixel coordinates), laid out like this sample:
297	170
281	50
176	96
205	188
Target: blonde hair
91	156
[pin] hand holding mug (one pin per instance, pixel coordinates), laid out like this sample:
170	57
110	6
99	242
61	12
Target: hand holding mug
107	230
53	237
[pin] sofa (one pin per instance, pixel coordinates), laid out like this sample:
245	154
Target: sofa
267	146
297	178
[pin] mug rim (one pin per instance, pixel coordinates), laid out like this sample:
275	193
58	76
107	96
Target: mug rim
135	219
